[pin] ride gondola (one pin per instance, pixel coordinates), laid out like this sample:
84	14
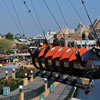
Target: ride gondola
65	60
71	61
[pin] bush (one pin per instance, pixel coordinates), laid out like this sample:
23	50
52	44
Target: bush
22	71
6	45
19	81
20	75
12	83
1	91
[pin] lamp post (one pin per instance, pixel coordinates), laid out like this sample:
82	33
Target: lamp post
45	80
45	83
31	77
6	72
25	74
20	88
31	72
21	94
13	74
25	80
13	70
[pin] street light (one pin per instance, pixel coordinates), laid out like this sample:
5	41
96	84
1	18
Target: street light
13	70
31	72
20	88
45	80
45	84
26	74
6	72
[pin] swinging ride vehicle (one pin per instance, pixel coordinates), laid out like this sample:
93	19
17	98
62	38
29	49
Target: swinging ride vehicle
68	65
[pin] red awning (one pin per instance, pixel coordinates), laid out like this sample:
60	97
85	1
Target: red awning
52	51
59	52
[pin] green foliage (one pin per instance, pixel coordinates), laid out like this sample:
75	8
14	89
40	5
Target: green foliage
23	36
19	81
20	75
22	71
9	36
12	83
19	36
37	70
6	45
1	92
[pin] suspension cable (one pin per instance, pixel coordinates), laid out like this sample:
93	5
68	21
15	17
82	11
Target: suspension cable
78	14
61	13
29	11
17	16
55	20
76	11
36	15
52	14
94	33
14	21
43	31
39	28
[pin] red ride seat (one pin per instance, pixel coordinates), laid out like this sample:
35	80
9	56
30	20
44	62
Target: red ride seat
48	58
56	58
41	57
66	57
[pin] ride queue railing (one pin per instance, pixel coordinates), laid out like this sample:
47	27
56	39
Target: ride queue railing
30	94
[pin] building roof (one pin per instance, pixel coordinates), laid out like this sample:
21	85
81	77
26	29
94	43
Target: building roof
22	40
88	42
42	37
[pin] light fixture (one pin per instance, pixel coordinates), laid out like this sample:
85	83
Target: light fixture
6	72
25	74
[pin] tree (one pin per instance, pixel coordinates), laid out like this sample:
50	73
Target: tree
17	36
23	36
9	36
6	45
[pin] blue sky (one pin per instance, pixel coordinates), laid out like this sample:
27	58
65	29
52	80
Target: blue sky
48	23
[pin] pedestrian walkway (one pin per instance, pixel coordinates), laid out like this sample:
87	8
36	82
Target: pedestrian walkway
61	91
31	86
2	72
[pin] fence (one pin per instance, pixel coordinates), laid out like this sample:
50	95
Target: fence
34	93
14	87
30	94
71	93
49	83
15	97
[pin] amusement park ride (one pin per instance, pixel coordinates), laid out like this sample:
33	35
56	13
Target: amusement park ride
68	65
